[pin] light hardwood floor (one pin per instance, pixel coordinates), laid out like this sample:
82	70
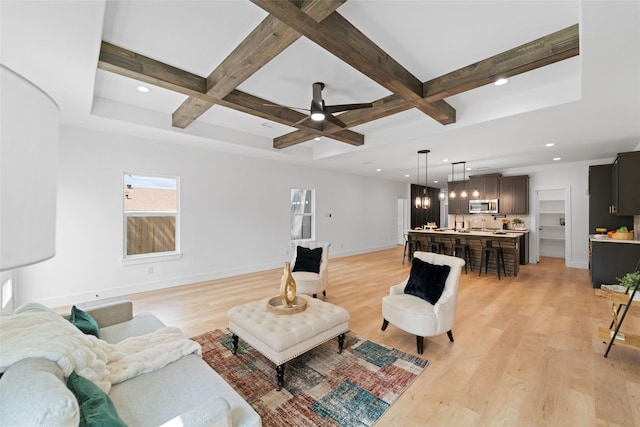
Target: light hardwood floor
526	351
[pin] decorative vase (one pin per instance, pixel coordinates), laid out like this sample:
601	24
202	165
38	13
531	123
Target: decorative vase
287	286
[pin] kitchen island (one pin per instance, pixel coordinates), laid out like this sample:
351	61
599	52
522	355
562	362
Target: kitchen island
508	240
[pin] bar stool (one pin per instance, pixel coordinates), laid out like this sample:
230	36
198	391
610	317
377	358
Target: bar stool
412	246
486	255
436	247
458	248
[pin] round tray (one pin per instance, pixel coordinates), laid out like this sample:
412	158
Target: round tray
275	305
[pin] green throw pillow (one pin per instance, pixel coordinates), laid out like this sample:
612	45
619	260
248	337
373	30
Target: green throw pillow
83	321
96	409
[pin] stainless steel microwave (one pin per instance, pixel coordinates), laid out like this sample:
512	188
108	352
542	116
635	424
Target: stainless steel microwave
483	206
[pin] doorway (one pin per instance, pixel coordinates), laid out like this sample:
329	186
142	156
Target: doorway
552	227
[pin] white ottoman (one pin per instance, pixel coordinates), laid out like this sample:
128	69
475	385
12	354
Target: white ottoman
282	337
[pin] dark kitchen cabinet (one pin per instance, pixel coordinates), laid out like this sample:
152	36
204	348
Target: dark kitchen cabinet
514	195
487	186
600	201
610	260
458	205
419	216
625	189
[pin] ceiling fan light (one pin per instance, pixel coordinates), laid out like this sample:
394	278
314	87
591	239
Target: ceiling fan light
317	116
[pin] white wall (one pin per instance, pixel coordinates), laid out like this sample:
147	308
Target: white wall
575	177
234	216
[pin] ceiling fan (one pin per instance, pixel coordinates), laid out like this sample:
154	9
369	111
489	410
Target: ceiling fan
319	111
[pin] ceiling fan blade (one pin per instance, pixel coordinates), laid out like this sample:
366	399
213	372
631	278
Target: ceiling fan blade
284	106
346	107
336	121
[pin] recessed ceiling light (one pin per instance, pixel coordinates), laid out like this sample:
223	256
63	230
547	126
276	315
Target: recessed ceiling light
445	160
317	138
555	159
501	81
407	176
143	89
550	144
468	168
435	181
378	170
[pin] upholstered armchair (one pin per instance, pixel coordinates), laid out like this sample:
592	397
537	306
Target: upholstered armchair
413	312
310	267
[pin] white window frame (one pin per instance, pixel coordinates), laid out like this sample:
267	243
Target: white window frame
312	214
152	256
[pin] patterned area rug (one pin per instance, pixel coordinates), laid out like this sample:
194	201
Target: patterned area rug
321	387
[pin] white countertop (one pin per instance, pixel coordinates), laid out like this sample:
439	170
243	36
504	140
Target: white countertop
605	238
449	232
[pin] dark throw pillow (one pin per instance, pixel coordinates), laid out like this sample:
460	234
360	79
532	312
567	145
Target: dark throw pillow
84	321
427	280
96	409
308	259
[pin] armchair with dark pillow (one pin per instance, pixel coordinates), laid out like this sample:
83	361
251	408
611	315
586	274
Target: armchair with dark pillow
425	303
310	267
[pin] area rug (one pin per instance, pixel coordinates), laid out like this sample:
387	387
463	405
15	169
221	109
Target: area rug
321	387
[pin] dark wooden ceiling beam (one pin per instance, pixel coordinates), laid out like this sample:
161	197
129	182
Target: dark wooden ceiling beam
263	44
339	37
546	50
139	67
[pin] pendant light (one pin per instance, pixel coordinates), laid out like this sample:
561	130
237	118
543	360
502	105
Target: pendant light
426	200
463	193
452	193
418	201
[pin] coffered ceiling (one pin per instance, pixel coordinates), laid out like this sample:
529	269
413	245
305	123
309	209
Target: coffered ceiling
216	69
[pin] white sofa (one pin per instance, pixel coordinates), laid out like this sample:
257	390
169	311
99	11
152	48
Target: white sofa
186	392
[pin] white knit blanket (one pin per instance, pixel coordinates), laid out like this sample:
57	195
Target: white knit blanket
48	335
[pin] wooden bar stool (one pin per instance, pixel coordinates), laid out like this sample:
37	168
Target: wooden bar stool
486	255
458	248
411	246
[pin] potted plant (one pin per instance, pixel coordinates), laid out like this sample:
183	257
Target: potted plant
517	222
629	280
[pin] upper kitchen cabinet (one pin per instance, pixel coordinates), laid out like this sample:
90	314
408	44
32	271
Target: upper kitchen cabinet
514	195
600	201
625	188
484	187
458	205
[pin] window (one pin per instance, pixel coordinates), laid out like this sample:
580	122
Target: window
302	214
150	216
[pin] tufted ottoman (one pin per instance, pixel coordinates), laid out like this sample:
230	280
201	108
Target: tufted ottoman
282	337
